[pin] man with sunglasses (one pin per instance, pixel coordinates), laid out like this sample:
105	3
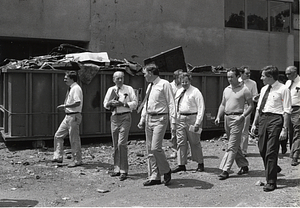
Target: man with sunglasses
294	135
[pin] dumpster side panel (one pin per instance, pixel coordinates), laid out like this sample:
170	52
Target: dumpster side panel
40	105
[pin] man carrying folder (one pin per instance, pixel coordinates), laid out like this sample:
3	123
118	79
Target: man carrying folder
121	100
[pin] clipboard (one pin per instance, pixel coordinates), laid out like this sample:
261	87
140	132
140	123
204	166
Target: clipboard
113	96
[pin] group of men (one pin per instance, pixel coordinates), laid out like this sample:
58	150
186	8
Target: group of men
182	106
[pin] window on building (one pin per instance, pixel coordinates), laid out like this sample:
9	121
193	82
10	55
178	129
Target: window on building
257	15
265	15
280	16
235	14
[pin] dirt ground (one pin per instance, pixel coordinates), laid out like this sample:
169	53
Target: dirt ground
28	179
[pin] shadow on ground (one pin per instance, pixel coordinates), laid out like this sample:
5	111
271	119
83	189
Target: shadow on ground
17	203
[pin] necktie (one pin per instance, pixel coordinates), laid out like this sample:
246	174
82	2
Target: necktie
145	99
264	99
292	82
179	99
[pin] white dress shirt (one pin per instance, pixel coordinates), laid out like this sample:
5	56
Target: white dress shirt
191	102
126	95
75	95
295	90
279	99
161	100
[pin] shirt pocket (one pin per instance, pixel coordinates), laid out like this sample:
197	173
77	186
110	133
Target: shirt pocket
276	99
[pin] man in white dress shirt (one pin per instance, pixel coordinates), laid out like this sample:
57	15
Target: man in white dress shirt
294	128
70	125
190	112
252	86
121	104
272	116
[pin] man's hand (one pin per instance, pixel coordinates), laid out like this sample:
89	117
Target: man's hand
62	106
196	127
239	120
283	134
217	121
141	125
253	128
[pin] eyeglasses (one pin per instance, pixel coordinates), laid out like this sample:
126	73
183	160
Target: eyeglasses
288	74
248	73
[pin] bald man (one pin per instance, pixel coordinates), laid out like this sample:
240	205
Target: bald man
121	100
294	135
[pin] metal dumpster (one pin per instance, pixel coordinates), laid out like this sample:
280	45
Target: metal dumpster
30	97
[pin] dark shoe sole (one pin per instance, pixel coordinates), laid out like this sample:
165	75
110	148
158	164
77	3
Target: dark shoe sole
152	183
56	161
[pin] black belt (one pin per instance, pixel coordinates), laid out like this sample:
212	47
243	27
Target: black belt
271	114
157	114
188	114
72	113
118	114
233	113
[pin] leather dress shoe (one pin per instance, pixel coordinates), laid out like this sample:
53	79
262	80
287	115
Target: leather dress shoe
152	182
179	168
224	175
167	177
269	187
200	167
284	150
294	162
74	164
278	169
114	174
123	176
243	170
57	160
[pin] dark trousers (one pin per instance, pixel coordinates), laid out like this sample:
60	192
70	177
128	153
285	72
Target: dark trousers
270	126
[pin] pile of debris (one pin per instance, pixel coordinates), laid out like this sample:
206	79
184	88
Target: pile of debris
69	57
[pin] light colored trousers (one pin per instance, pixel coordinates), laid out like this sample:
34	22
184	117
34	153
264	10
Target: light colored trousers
245	135
155	129
70	125
295	125
233	152
120	126
184	136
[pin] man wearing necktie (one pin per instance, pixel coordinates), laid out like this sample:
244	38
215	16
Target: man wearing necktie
190	112
272	116
70	125
294	128
121	99
157	110
232	105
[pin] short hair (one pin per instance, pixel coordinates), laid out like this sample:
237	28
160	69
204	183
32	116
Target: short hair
153	68
235	70
186	74
72	75
292	68
177	73
242	69
118	73
271	71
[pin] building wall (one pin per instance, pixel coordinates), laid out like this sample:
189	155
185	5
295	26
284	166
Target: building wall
136	30
46	19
